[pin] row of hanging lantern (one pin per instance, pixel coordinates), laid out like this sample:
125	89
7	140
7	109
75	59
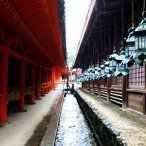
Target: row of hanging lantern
133	50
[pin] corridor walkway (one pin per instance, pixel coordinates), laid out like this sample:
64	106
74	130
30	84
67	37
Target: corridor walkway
130	124
21	126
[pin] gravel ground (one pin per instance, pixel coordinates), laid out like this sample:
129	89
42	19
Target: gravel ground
73	129
130	124
26	128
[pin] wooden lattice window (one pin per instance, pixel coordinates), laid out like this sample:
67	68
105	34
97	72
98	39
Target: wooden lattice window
91	84
117	81
113	81
103	82
136	75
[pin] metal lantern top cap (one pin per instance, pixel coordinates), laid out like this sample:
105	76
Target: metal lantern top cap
96	66
89	69
122	52
131	37
103	64
142	26
131	30
99	69
107	63
114	55
121	56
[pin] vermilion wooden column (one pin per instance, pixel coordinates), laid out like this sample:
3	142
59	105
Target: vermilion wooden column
42	82
49	78
22	84
39	84
53	77
3	86
45	81
32	83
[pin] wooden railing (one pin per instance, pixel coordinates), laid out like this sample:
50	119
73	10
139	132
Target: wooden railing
116	96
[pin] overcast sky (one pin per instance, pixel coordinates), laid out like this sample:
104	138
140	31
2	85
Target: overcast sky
76	11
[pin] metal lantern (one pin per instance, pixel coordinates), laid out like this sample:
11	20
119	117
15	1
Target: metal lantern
121	71
120	57
92	71
114	55
102	71
129	46
107	69
140	41
112	61
96	74
121	68
99	71
96	67
112	65
96	71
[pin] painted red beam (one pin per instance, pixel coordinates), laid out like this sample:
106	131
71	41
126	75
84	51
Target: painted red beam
15	22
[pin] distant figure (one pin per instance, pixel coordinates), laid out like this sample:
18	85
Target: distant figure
72	87
67	85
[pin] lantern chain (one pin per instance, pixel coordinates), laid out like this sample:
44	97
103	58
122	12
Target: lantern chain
132	13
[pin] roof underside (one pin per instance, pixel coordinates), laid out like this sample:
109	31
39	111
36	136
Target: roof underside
105	22
37	22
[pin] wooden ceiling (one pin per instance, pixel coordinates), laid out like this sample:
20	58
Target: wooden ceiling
106	21
37	22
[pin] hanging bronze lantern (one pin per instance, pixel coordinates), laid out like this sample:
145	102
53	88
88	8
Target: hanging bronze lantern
120	67
102	71
140	42
96	71
107	71
129	46
112	62
99	70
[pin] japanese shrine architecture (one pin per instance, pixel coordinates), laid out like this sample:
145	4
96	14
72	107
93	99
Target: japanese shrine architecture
109	27
32	50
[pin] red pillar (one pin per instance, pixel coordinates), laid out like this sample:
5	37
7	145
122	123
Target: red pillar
53	77
46	75
42	83
32	83
22	84
39	84
48	81
3	86
45	81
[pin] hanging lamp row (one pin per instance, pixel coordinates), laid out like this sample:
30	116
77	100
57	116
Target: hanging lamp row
133	50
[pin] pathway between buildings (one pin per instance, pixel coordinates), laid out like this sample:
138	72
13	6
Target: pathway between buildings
21	126
131	125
